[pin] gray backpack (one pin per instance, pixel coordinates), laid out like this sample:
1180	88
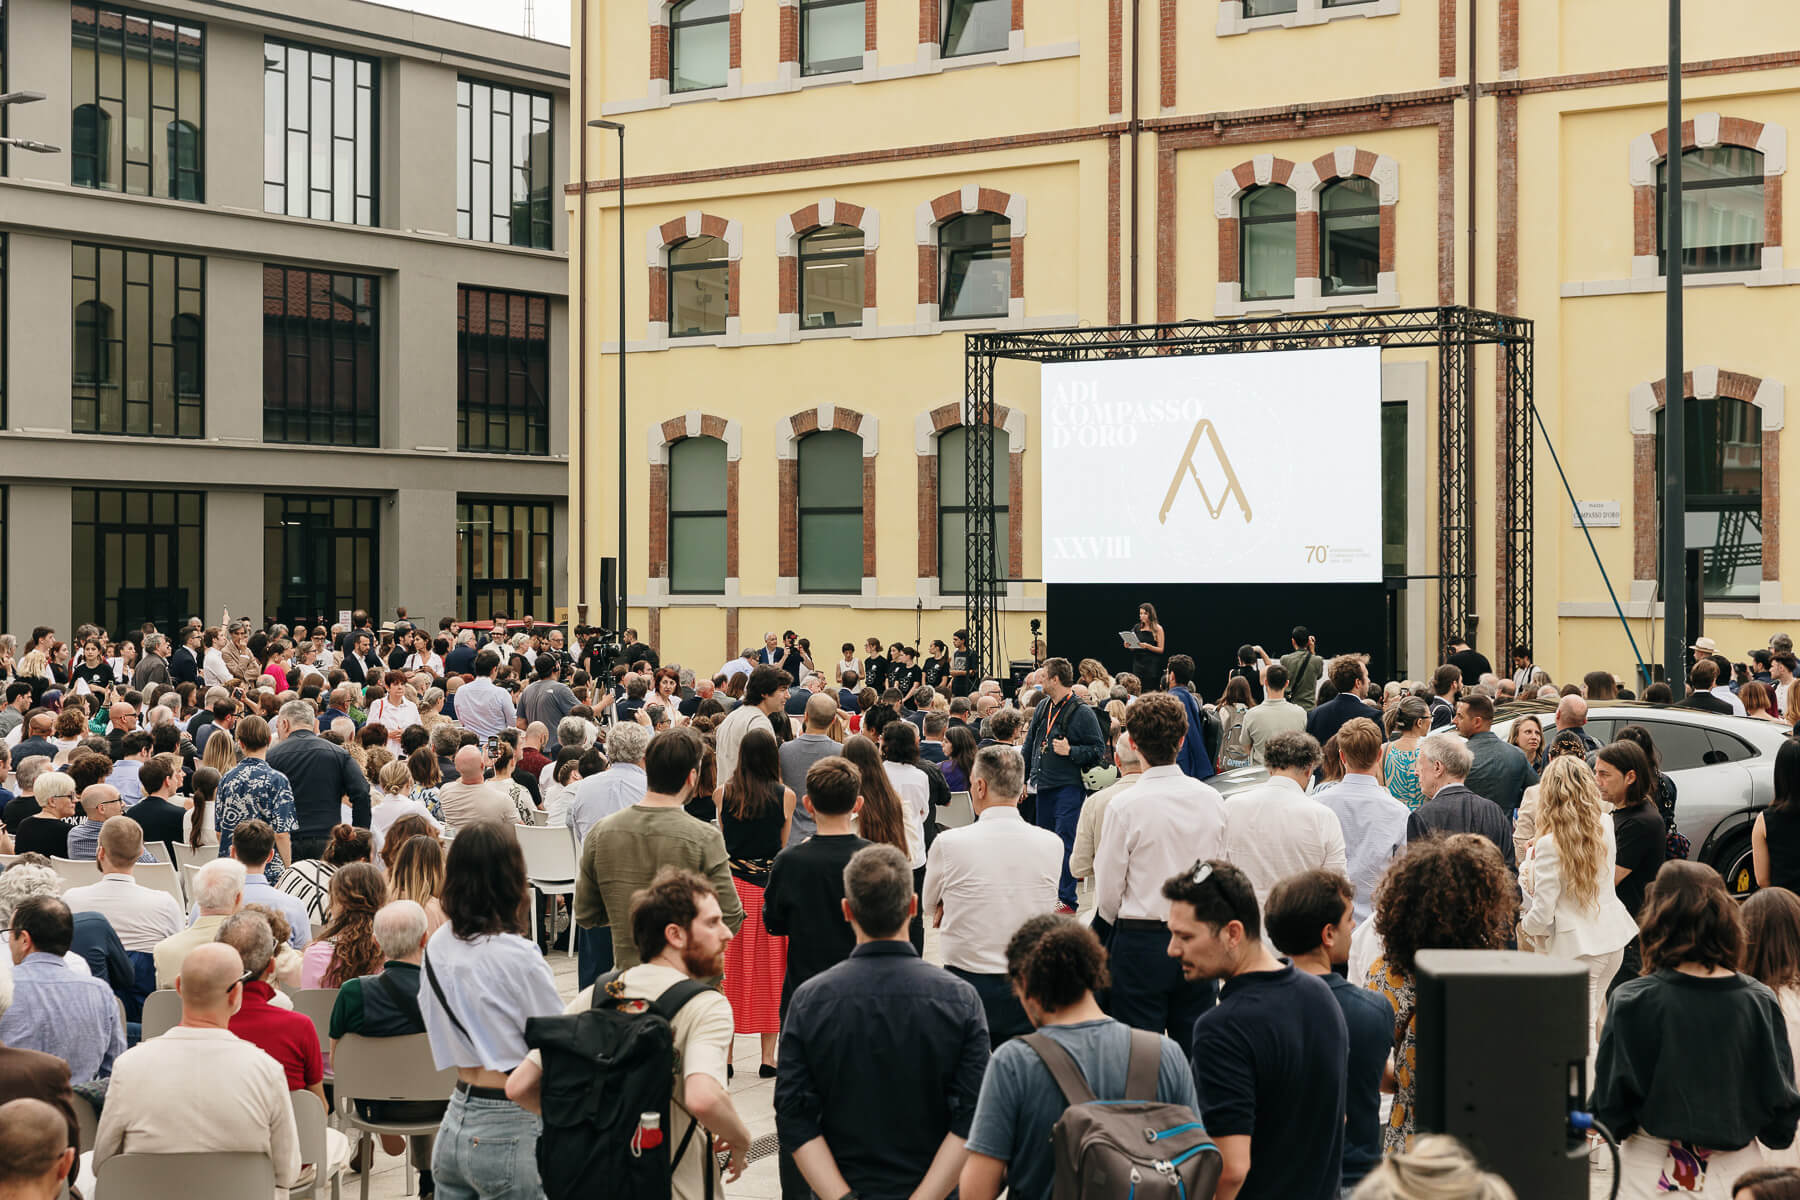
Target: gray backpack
1137	1148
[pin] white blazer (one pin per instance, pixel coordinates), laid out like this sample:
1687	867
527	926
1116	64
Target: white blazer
1559	921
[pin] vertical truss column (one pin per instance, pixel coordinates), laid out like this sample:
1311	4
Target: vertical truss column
983	565
1456	480
1515	573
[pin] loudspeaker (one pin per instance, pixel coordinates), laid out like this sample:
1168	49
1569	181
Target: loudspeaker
1696	600
610	616
1502	1039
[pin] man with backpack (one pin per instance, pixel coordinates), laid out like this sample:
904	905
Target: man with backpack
882	1055
650	1137
1031	1134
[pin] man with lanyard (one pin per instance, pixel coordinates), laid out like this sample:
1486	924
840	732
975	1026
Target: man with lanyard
1193	759
1064	740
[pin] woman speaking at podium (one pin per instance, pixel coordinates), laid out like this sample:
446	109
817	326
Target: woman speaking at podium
1151	649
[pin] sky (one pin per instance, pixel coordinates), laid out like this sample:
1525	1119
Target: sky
506	15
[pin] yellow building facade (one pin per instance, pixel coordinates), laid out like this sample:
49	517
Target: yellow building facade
823	197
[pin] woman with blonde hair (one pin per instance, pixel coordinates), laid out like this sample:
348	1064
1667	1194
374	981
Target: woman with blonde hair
417	873
221	753
1091	671
1574	912
1436	1168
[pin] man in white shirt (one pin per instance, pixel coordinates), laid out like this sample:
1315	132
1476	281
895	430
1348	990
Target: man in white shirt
1276	714
618	787
741	665
141	916
481	707
1162	826
984	880
1093	810
1372	821
199	1088
765	698
1782	666
470	797
136	747
1275	829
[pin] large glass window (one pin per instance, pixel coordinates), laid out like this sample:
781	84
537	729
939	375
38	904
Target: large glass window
955	513
699	287
1721	210
137	102
831	278
974	266
135	556
3	307
1268	8
697	525
139	355
1724	493
503	159
975	26
503	559
319	134
1266	243
321	555
831	36
699	45
502	372
320	379
1350	237
831	513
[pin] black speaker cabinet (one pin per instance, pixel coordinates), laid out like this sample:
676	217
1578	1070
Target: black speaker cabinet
1502	1044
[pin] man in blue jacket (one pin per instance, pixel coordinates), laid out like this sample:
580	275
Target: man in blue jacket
1193	759
1064	740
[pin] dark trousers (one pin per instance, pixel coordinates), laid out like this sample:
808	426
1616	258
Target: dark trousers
916	929
1058	809
1005	1018
1148	991
593	954
308	847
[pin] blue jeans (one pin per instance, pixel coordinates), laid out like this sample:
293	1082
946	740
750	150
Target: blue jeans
1006	1019
486	1150
1058	809
593	954
1148	991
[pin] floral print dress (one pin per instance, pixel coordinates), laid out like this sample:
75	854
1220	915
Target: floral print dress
1397	986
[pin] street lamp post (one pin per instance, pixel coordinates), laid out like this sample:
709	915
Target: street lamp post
1674	426
619	129
36	147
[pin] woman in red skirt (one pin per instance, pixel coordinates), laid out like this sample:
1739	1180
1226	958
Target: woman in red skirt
755	811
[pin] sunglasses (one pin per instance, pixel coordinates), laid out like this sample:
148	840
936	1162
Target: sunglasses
1203	871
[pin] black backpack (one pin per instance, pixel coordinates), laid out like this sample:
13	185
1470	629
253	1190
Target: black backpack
603	1069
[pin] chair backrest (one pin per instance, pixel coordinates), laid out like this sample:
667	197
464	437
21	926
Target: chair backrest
189	872
186	854
539	817
959	812
7	860
163	878
86	1121
548	852
390	1068
162	1012
316	1004
75	873
180	1176
309	1128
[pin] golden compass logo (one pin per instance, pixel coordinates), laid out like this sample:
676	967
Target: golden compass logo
1204	428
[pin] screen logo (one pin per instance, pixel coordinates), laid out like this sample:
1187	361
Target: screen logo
1190	467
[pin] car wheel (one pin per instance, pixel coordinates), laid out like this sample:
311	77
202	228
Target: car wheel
1733	862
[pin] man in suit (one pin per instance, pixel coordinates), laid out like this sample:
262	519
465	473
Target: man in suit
1443	766
1193	757
931	746
1500	771
152	667
1702	679
1348	676
184	664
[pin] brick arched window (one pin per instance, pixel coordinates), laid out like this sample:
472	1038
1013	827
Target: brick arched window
1733	457
691	244
972	253
690	31
929	432
1731	196
825	259
829	464
1343	229
690	515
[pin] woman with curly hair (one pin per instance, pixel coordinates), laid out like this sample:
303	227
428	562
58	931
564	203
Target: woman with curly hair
1444	893
1525	825
346	948
1691	1114
1574	911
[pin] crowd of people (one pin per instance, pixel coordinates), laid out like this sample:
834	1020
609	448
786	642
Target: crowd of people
761	851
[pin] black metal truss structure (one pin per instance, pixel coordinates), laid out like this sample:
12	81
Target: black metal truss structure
1454	331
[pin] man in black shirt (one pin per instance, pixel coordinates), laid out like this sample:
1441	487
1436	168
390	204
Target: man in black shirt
162	820
636	651
804	899
880	1133
1472	663
962	665
323	776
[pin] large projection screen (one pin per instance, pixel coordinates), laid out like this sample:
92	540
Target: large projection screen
1216	468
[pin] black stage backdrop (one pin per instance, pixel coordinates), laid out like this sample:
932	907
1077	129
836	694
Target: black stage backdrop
1209	621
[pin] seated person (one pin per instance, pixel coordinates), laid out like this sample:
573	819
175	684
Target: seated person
54	1009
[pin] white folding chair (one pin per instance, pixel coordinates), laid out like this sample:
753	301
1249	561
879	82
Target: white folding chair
315	1004
549	866
161	877
76	873
189	872
392	1069
959	812
162	1012
87	1122
186	855
7	860
177	1176
315	1146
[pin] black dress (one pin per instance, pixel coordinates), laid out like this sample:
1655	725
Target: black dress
1782	825
1147	664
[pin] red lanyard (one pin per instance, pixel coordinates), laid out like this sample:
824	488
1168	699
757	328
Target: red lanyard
1050	722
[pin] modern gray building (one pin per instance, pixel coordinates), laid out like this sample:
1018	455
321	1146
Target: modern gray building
283	326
